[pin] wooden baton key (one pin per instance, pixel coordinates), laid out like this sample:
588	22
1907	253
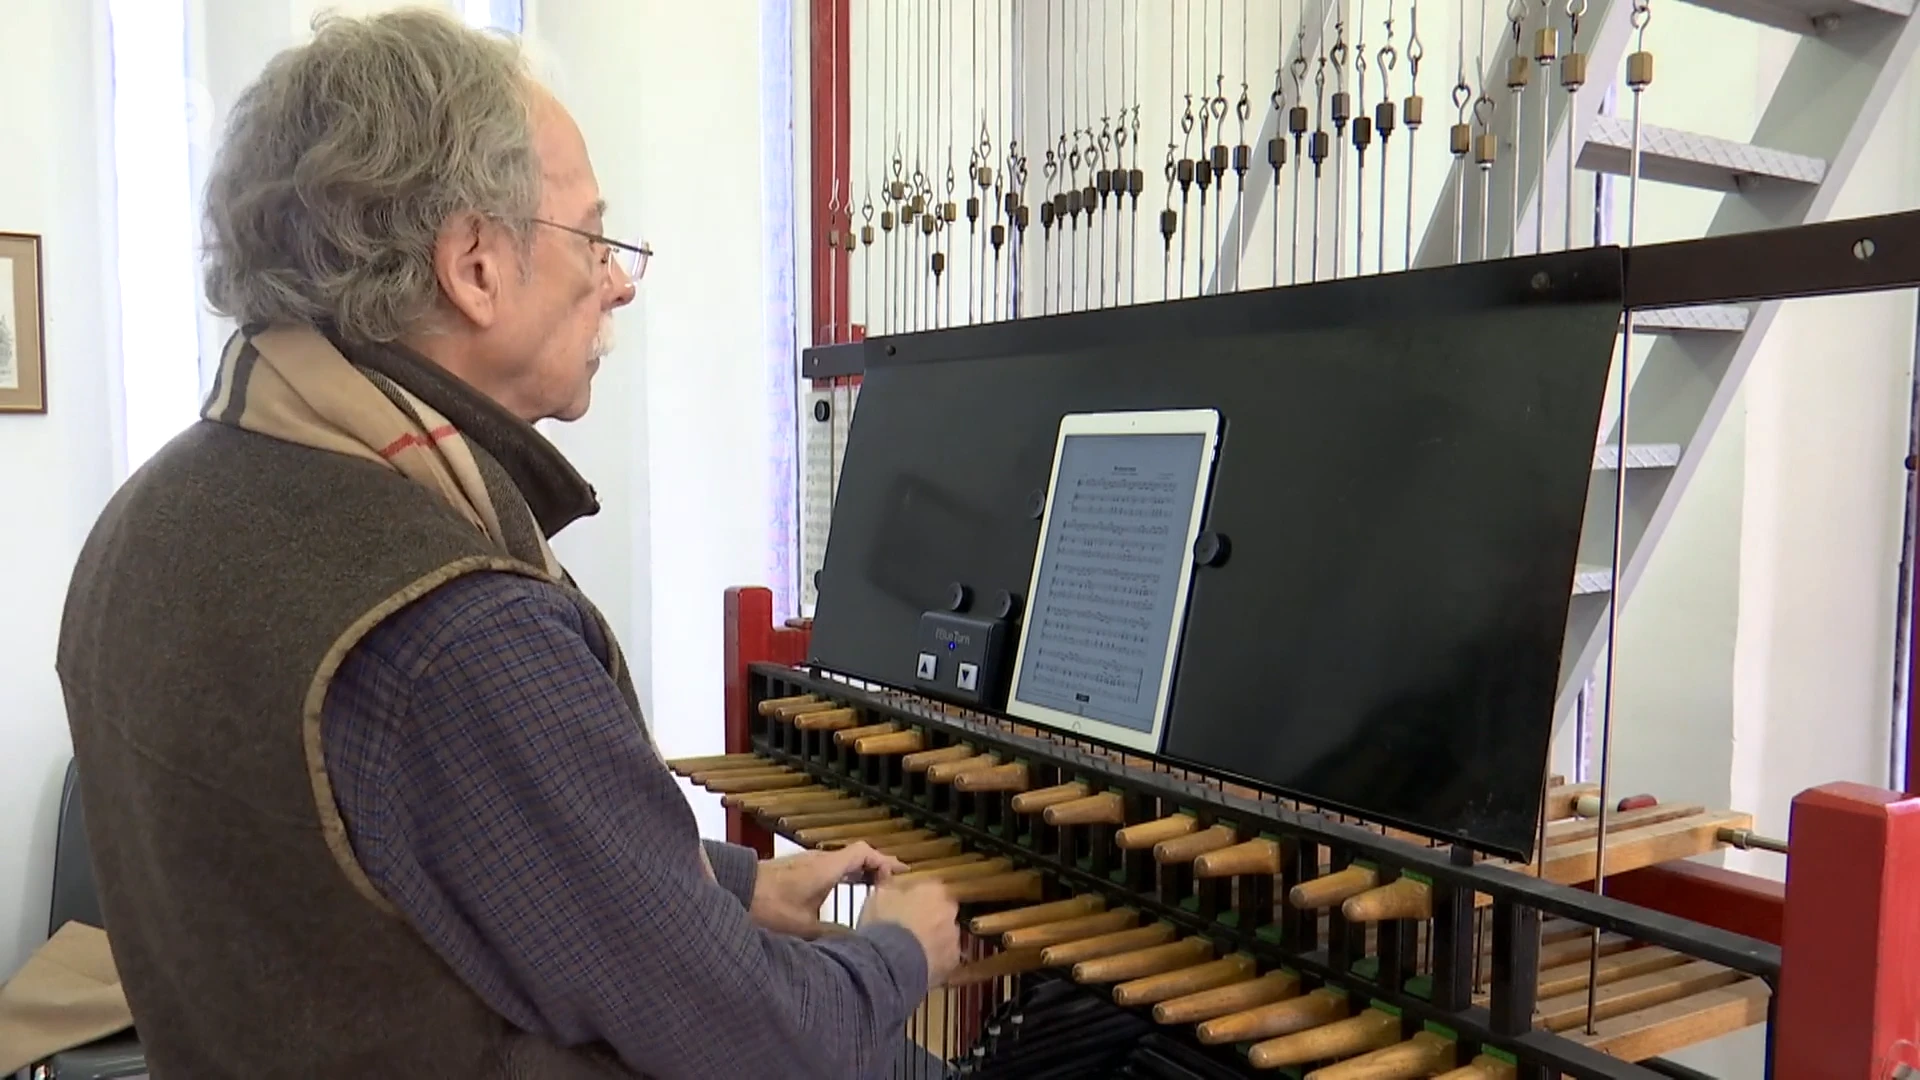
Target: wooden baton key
852	735
919	848
1070	953
922	760
1147	834
781	813
689	765
729	785
1033	802
1187	848
1482	1068
1285	1017
789	713
858	831
762	768
1106	808
898	742
1236	997
960	872
1000	922
820	820
1151	961
1426	1054
1074	929
774	705
894	841
1001	888
1330	889
1402	898
827	720
1189	980
1009	777
945	772
951	860
754	802
1366	1032
1259	856
998	966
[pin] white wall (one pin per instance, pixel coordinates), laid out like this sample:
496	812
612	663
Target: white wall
55	470
678	440
1829	402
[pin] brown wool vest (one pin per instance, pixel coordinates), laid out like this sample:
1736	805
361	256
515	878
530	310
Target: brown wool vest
209	609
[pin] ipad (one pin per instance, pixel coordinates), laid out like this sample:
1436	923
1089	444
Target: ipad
1108	595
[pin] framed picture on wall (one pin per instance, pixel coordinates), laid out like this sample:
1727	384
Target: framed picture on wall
23	358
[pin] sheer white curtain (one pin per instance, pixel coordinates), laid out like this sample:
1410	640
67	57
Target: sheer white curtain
157	136
777	159
507	15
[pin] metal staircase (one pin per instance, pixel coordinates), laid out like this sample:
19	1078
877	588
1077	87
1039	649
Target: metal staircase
1829	98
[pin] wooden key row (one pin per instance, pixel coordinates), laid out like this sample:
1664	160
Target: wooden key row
1149	964
1652	1000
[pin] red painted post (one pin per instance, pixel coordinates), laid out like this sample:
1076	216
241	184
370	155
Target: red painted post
829	75
1735	902
748	625
1849	1000
751	638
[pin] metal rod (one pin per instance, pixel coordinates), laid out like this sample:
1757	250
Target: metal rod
1618	560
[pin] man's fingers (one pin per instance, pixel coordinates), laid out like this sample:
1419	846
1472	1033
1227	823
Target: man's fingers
860	862
883	866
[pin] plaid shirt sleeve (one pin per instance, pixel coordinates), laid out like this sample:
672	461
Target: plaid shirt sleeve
500	792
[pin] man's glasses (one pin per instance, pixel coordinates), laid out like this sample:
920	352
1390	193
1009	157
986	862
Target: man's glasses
631	258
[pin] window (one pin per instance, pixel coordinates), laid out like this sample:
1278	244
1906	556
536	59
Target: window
154	146
783	331
505	15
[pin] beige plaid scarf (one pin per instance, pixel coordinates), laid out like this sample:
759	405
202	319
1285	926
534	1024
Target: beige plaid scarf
293	384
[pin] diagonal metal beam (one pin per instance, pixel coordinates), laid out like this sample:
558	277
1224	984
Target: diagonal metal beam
1829	99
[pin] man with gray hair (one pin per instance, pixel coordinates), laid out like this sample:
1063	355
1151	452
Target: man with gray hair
367	781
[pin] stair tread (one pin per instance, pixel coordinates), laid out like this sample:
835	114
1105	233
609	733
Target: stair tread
1639	456
1722	318
1804	16
1592	580
1669	155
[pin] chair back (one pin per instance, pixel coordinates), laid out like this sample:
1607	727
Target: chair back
76	898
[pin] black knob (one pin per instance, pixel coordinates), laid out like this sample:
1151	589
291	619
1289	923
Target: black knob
1210	549
1005	605
1037	504
958	596
822	410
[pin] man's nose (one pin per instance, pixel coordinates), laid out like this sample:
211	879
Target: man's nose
623	287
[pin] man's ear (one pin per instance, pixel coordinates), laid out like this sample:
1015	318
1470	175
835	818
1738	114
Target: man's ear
467	262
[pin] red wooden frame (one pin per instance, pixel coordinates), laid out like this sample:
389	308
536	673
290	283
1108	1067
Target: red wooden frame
1849	1000
1913	671
831	152
751	638
1735	902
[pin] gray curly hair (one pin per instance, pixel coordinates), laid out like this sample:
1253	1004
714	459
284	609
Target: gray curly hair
343	161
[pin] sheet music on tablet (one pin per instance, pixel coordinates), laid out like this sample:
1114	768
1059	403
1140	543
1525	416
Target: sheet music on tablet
1115	553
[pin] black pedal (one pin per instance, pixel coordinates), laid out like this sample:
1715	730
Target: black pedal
962	658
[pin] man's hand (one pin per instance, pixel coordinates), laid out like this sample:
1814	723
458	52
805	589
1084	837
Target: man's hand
926	909
789	891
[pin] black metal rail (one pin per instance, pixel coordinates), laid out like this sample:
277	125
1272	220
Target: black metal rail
1246	919
1870	254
